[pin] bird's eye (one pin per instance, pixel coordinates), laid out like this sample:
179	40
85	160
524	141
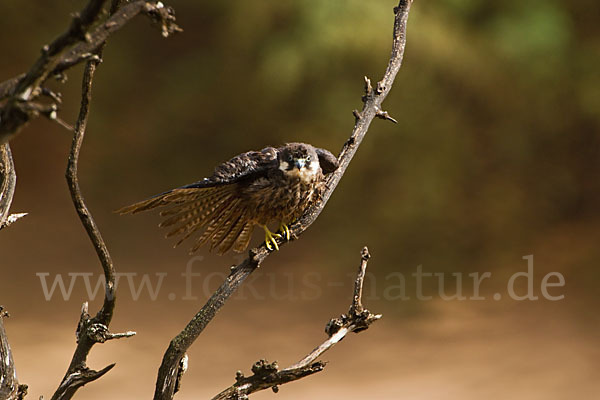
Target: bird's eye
307	159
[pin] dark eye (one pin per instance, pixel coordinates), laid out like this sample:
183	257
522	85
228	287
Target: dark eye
308	159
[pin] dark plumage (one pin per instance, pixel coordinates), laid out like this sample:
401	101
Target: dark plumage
253	188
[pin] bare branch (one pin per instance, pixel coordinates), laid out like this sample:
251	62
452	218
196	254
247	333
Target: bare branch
77	379
8	181
267	375
9	385
78	374
79	43
17	110
357	306
372	104
159	14
82	211
168	373
29	86
90	330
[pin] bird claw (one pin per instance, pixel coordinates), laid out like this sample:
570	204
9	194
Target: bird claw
270	239
285	230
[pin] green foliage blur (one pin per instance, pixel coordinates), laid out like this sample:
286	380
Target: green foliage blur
497	145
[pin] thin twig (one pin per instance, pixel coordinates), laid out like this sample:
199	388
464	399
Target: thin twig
169	371
357	307
90	330
267	375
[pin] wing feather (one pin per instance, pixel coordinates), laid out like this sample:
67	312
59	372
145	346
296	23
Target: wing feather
244	237
193	208
228	241
224	229
250	165
194	222
215	224
212	203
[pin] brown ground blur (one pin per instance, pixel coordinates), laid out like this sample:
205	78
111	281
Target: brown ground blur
495	157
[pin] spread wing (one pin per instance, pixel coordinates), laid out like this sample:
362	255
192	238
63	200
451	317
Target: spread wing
212	202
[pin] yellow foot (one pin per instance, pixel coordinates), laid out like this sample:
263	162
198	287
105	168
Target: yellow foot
270	238
283	228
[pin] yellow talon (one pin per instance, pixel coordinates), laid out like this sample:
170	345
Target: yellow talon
270	238
283	228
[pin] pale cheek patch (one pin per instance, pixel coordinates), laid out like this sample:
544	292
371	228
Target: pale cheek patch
284	166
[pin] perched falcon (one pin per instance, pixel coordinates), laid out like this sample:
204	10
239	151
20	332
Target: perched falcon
253	188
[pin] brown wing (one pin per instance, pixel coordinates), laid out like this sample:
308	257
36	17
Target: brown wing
212	203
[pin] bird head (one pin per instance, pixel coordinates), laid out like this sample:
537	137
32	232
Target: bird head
299	160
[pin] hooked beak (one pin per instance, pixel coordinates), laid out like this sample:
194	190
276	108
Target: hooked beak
300	162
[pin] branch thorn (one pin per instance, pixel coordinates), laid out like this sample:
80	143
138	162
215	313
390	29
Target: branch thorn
368	90
368	87
12	219
384	115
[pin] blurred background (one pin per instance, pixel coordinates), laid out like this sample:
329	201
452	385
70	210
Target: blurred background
495	157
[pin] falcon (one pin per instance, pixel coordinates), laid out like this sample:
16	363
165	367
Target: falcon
252	189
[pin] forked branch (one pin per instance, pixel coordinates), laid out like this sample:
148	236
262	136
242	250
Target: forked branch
267	375
170	371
